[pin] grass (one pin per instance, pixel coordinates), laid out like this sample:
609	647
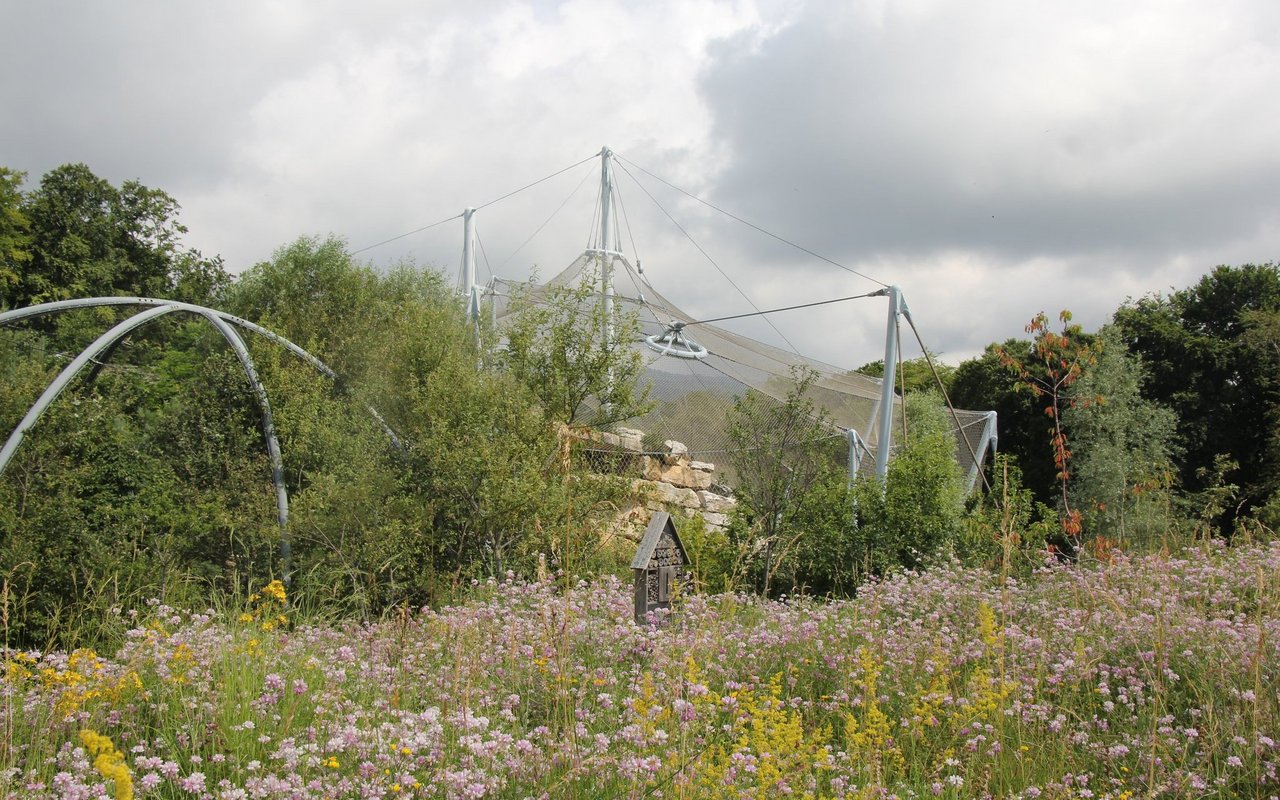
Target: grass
1141	677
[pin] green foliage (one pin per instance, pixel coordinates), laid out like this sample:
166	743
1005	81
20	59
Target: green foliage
130	486
76	235
480	484
556	345
984	382
1210	357
15	233
917	513
714	558
914	375
793	502
1006	529
1123	450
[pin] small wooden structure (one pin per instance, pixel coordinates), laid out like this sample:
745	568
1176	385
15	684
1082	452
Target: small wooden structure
660	566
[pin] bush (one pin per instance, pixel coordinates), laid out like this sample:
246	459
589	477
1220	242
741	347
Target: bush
918	512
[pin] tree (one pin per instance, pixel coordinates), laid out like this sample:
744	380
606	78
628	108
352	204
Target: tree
984	382
1055	363
312	292
15	234
793	500
89	238
1206	353
1123	449
556	346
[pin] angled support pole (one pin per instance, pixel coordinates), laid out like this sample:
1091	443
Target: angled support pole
857	451
469	289
884	438
988	443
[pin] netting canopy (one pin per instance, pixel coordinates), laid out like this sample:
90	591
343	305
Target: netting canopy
696	370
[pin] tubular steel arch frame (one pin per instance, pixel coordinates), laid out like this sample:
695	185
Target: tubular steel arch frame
222	322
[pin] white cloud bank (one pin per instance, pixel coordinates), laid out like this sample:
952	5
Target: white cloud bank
993	158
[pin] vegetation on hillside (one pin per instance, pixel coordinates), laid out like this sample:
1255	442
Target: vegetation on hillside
148	478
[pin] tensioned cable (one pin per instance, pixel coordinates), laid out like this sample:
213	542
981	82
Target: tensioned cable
538	181
622	212
410	233
758	313
711	260
749	224
546	222
942	388
485	205
484	255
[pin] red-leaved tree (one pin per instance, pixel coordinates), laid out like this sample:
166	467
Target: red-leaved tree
1054	362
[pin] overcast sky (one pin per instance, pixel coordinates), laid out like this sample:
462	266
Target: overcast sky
994	158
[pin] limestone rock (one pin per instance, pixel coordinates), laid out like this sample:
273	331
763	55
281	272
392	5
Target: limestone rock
662	492
715	520
631	439
674	451
715	503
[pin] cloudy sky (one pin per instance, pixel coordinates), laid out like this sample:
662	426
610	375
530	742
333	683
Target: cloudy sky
994	158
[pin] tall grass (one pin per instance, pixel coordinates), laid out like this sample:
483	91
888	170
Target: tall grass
1141	677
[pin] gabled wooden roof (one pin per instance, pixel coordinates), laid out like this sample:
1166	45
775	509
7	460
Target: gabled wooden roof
658	525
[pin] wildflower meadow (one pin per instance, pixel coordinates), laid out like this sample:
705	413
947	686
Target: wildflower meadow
1140	677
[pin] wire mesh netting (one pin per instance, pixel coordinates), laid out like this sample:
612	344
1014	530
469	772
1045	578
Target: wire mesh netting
696	370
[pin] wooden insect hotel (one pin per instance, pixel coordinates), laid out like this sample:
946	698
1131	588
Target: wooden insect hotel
660	567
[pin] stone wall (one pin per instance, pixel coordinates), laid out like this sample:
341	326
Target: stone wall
668	481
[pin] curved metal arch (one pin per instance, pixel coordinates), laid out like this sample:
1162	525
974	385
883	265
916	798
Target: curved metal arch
91	302
114	335
268	425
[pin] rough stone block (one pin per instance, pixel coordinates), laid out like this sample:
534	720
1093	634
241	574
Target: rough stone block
715	503
610	439
661	492
682	475
715	520
651	468
674	452
631	438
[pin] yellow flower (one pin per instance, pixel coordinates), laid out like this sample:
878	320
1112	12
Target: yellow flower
274	590
109	762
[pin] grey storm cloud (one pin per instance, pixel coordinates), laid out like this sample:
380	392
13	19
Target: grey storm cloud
1013	129
994	158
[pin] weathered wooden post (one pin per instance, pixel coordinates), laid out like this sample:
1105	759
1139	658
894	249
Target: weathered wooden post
660	566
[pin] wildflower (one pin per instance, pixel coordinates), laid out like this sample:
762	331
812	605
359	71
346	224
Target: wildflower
109	762
194	783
